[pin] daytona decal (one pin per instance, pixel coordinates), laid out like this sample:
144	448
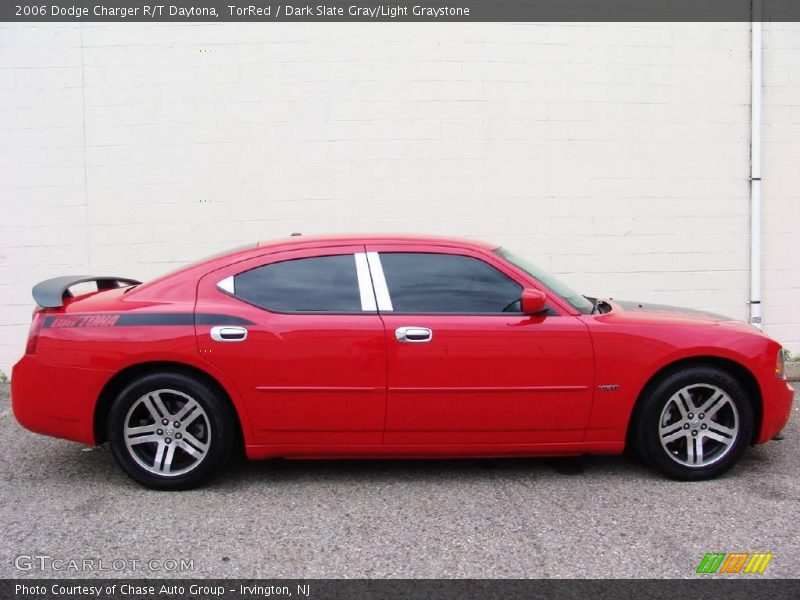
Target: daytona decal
83	321
142	320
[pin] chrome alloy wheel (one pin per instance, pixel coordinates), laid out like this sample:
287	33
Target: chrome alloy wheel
699	425
167	432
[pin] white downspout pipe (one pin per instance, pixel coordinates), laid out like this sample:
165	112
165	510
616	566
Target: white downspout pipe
755	168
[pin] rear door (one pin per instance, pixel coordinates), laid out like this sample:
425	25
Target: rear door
464	365
305	344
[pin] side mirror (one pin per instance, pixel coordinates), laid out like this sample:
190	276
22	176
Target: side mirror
533	301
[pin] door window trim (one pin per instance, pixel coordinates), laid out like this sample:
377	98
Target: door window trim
382	295
365	286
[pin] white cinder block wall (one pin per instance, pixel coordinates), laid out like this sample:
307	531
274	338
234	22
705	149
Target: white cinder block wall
615	155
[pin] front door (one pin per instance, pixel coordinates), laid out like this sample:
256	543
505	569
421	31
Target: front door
306	345
464	365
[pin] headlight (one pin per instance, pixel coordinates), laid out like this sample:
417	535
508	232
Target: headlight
780	371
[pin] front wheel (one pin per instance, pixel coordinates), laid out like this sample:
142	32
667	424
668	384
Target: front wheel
170	431
695	424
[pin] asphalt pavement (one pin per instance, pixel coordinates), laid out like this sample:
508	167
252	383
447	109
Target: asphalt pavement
524	518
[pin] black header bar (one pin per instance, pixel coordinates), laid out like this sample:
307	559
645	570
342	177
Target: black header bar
742	587
404	11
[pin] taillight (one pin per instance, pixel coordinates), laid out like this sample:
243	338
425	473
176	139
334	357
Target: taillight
33	334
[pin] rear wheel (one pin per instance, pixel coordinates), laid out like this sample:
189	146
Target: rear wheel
170	431
695	424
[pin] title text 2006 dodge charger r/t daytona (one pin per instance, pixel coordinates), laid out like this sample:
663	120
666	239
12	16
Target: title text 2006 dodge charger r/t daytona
385	346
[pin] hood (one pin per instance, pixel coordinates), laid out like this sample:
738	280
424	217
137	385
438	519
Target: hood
669	311
645	313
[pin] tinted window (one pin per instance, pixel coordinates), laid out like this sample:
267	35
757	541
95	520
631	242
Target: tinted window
446	283
325	283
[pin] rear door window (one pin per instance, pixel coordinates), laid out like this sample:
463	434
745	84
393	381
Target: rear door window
318	284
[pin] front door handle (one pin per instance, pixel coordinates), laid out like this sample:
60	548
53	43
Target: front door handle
413	334
226	333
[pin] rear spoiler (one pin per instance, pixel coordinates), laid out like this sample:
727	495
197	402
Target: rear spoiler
52	292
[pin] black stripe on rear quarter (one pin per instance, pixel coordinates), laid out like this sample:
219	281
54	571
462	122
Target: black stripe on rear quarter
142	320
214	319
136	320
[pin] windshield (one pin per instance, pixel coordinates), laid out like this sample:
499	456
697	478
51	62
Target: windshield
580	303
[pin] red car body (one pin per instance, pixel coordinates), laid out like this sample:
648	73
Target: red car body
340	385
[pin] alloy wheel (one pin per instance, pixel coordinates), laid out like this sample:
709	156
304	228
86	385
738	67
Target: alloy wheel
167	432
699	425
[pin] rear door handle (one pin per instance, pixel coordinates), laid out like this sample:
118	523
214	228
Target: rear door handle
413	334
226	333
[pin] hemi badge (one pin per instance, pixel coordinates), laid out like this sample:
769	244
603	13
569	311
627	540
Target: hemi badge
608	388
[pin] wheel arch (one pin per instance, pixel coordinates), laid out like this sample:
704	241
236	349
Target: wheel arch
114	386
735	369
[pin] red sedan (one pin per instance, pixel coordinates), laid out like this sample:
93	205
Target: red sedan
384	346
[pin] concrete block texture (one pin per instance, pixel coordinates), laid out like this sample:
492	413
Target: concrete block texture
615	155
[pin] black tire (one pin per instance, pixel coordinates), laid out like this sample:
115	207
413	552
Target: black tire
170	454
689	452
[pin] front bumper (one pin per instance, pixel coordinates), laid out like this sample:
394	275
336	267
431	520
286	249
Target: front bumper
777	398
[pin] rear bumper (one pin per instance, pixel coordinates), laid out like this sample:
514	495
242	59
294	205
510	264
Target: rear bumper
777	402
55	400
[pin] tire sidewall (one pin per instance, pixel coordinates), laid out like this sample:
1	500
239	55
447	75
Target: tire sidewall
647	435
220	423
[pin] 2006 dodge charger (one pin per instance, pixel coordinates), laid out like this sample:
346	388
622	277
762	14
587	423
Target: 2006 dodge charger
387	346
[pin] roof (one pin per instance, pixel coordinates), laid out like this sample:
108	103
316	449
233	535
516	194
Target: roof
383	238
302	241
